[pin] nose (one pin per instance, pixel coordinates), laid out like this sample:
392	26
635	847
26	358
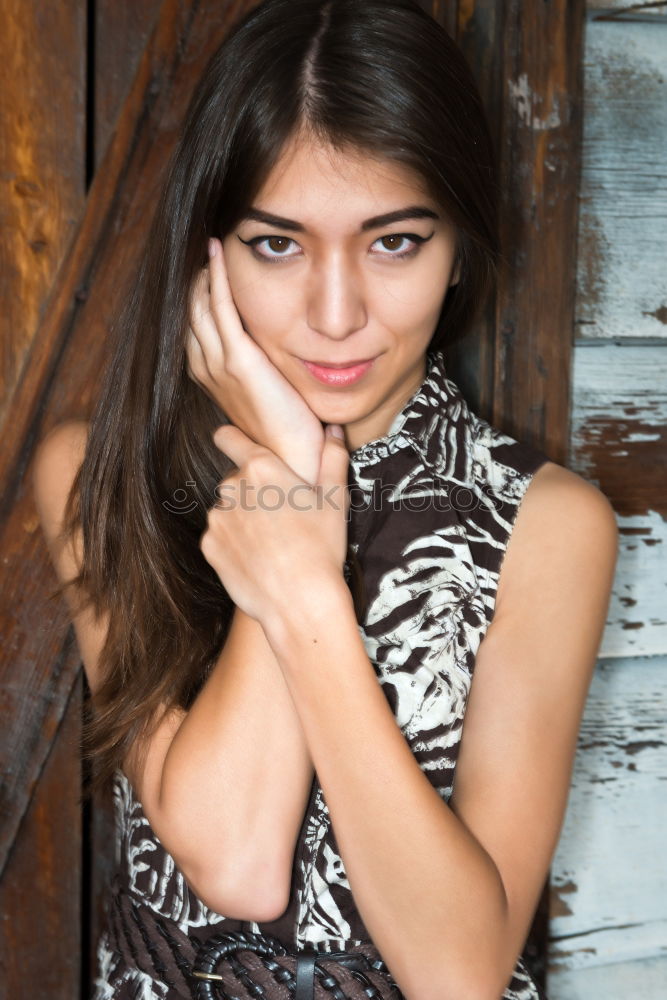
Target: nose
336	305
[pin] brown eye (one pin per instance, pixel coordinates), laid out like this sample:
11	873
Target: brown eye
392	242
278	244
399	246
271	248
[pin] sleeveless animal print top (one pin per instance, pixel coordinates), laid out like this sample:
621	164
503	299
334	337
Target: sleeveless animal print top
433	504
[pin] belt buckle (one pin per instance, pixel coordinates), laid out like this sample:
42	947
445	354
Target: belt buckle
223	946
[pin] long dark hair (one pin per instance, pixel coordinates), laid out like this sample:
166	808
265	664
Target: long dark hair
380	76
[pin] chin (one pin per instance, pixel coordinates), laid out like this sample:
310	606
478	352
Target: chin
337	412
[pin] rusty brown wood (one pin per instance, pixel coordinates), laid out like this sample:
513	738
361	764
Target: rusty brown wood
115	222
527	58
100	850
121	30
442	11
540	155
40	899
42	168
62	378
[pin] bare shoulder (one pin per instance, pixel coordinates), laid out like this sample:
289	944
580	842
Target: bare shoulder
565	524
555	488
531	677
56	462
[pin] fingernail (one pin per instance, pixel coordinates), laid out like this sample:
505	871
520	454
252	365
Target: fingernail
335	430
212	248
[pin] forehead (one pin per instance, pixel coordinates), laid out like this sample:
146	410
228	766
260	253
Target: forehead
317	184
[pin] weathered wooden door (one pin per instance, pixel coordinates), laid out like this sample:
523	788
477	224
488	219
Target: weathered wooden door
91	94
608	925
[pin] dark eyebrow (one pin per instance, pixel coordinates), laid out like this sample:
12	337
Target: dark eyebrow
413	212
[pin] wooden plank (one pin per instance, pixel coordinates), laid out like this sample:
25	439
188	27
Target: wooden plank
470	362
628	10
527	58
63	376
121	30
645	978
78	316
539	155
444	12
40	898
38	663
619	442
608	915
637	619
622	243
100	836
619	423
609	881
42	164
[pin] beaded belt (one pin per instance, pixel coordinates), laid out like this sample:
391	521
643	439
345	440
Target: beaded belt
217	970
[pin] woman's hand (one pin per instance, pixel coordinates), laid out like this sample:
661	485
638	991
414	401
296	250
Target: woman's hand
236	373
274	540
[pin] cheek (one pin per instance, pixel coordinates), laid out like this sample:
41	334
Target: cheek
414	303
266	305
258	316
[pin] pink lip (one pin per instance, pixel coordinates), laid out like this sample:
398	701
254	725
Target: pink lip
337	375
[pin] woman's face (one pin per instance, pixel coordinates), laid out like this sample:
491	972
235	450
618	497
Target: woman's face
318	276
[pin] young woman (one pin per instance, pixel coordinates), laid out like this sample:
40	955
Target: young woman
294	547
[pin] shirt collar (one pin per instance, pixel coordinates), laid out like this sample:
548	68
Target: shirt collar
436	399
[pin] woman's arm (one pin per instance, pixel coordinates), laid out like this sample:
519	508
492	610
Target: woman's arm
447	892
225	785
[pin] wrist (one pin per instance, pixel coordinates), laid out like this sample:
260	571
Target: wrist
308	613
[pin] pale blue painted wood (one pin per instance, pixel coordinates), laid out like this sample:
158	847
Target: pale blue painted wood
619	435
642	980
609	875
608	923
622	243
628	8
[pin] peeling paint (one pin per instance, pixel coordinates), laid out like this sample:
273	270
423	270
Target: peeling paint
636	436
611	847
622	238
525	100
563	954
636	747
619	423
659	314
558	907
